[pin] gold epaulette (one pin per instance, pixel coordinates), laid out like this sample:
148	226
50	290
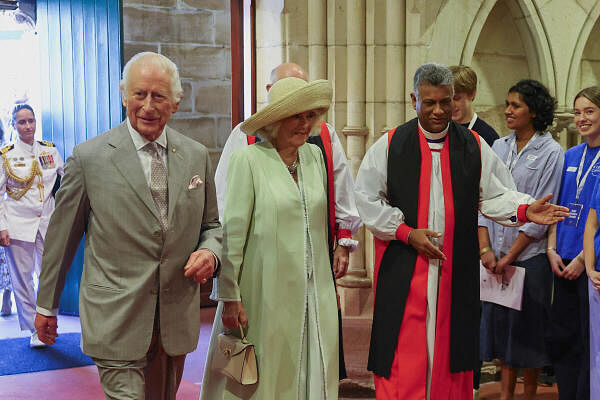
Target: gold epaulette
6	149
46	143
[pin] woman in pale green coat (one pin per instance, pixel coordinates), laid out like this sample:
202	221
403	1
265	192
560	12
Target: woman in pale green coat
275	276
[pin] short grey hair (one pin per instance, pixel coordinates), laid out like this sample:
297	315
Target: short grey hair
432	74
157	60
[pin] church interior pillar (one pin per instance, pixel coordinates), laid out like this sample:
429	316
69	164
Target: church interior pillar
356	284
317	39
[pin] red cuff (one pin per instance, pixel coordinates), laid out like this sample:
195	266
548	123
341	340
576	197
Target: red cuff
343	234
522	213
402	232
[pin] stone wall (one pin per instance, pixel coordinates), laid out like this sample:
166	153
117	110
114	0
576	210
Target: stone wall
373	48
195	34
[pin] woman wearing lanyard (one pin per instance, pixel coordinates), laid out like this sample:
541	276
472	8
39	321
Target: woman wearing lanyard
535	161
569	341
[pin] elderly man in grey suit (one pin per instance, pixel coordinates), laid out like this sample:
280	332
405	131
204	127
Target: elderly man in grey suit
144	196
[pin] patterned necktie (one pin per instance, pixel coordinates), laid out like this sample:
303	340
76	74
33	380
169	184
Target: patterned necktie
158	184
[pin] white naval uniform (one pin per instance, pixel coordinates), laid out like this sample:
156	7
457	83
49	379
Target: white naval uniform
27	218
346	214
499	200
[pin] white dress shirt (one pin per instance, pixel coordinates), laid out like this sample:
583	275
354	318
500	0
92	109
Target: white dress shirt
145	156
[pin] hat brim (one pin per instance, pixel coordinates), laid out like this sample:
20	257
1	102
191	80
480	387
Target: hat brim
313	96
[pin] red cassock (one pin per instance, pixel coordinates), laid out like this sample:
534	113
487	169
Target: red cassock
408	378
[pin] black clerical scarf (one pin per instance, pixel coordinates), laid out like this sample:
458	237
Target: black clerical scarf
399	291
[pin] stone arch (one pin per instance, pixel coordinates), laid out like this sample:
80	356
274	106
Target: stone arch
589	30
532	33
506	42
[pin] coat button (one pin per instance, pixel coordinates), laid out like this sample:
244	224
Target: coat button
39	215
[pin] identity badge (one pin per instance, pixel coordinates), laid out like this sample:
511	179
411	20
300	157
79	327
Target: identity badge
574	214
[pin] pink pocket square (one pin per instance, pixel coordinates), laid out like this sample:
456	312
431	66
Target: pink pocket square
195	182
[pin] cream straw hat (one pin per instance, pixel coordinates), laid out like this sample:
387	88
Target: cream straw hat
287	97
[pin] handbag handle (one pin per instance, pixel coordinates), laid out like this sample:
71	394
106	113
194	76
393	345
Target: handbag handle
244	340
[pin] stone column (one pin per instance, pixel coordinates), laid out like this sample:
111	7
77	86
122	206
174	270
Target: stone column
396	95
356	284
563	129
317	39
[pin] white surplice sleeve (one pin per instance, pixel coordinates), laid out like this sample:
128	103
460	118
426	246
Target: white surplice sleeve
499	199
346	214
371	193
236	140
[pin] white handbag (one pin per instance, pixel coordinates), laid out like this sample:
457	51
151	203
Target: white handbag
235	358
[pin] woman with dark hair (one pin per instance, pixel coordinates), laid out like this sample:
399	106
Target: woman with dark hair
29	176
569	340
535	161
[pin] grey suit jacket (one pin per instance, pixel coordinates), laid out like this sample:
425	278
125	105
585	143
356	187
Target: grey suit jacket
130	265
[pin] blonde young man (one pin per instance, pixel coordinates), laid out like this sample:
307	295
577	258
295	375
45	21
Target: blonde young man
465	89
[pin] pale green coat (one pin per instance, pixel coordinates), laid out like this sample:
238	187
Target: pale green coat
264	265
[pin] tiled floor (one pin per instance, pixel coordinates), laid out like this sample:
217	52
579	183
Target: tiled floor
83	384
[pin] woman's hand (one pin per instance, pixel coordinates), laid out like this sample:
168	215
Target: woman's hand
488	259
341	257
4	238
595	278
574	269
234	314
556	262
501	264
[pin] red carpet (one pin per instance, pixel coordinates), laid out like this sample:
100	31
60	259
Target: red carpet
83	383
80	383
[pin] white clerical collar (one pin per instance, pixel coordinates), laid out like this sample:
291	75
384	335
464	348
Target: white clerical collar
434	136
139	141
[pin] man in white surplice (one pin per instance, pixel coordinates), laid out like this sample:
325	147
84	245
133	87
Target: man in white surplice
396	377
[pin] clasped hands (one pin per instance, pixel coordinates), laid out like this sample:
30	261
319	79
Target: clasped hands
571	271
495	266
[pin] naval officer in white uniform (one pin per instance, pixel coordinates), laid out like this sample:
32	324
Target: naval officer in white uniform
29	175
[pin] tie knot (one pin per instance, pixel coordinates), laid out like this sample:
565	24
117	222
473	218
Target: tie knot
152	148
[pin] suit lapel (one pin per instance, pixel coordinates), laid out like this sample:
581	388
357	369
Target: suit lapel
126	160
177	170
